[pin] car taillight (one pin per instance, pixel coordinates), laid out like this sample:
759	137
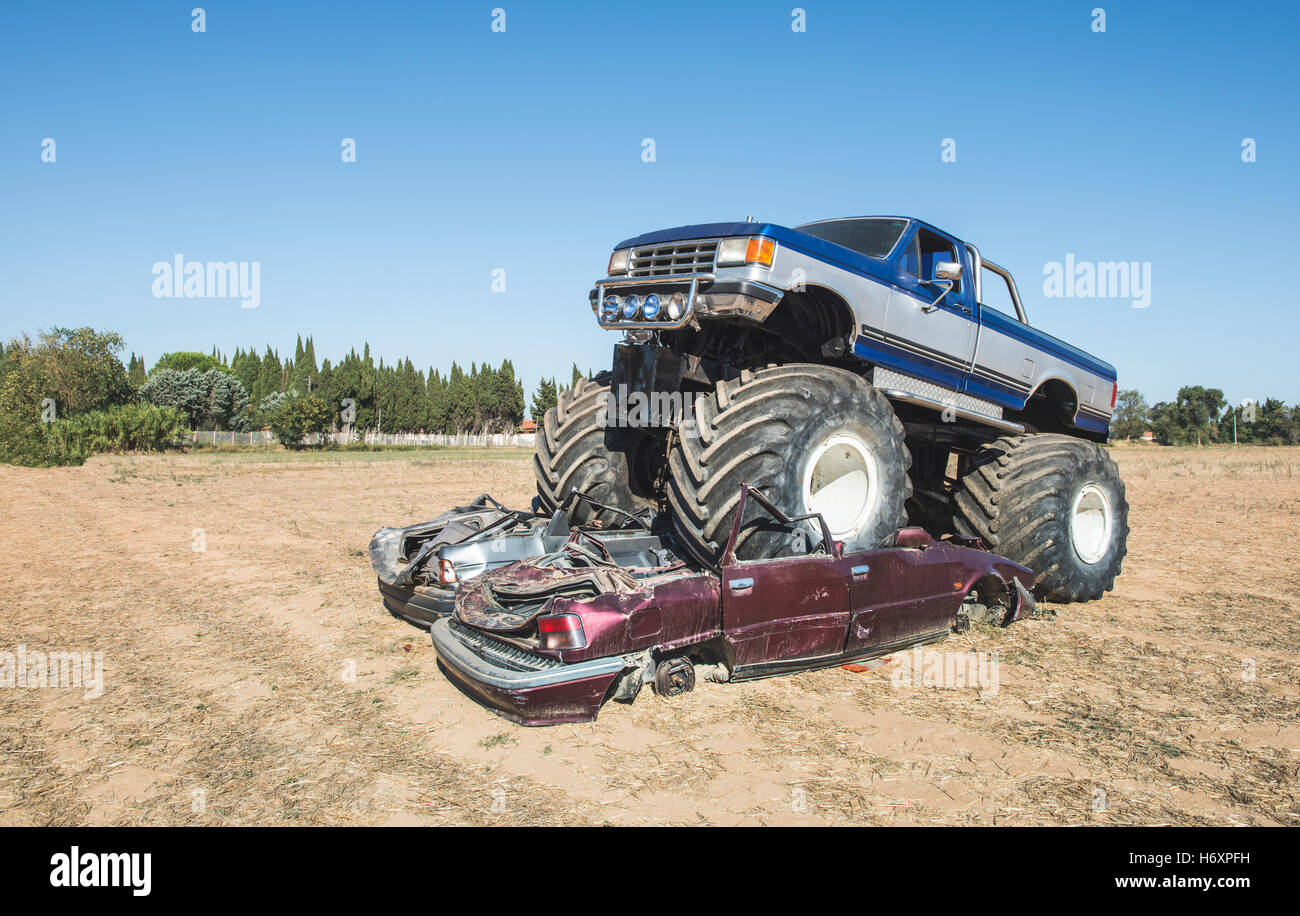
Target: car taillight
1114	393
561	631
446	572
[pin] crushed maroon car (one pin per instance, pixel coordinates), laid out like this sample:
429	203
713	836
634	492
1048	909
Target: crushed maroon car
550	639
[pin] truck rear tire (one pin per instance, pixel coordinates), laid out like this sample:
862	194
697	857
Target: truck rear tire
575	451
811	438
1054	503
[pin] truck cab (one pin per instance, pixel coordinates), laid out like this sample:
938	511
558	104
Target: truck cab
910	298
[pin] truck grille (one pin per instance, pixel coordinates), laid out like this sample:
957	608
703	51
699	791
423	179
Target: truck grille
672	259
501	653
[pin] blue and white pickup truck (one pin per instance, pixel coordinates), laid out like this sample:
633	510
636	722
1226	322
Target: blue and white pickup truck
852	367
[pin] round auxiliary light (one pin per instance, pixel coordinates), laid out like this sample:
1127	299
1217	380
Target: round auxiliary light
676	305
631	306
650	307
610	308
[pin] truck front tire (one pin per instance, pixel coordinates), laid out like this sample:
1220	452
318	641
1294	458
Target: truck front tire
1054	503
576	451
811	438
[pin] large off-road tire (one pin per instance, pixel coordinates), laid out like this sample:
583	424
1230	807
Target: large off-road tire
574	451
1054	503
812	438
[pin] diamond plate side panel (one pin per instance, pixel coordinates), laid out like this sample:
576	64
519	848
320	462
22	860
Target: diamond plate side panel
886	378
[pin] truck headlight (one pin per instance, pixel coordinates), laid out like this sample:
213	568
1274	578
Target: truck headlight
618	261
737	252
611	308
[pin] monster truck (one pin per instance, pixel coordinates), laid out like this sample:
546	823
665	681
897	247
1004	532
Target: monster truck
847	367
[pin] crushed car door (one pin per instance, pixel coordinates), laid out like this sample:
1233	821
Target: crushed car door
786	609
899	595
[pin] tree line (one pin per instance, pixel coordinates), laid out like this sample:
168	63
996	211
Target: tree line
1200	416
68	394
391	397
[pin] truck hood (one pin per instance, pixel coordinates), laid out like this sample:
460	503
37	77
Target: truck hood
702	231
826	251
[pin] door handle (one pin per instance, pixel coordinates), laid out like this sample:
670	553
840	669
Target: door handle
739	585
860	570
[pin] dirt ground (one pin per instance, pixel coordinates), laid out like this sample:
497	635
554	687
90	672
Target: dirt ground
259	679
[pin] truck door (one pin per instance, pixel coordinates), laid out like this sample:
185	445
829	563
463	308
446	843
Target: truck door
786	609
1005	364
934	327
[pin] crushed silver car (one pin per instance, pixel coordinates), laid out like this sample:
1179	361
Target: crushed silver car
421	566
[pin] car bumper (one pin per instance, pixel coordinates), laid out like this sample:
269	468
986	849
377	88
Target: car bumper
529	690
421	607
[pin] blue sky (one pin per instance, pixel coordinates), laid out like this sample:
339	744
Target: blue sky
522	150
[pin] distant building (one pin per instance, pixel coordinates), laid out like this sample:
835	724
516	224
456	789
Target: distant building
1148	436
528	426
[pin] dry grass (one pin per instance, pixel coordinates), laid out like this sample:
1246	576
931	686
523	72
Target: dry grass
260	681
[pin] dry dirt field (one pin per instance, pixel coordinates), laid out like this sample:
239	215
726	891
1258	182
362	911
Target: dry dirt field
229	694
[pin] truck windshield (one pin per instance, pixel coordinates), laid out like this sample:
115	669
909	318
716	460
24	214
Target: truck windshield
873	236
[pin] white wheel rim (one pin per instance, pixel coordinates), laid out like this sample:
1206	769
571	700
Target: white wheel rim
841	482
1090	524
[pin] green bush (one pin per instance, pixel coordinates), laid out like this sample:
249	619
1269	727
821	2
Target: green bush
40	445
63	374
299	417
268	408
211	399
124	428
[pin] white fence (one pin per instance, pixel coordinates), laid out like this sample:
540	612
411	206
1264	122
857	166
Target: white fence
264	437
481	440
225	437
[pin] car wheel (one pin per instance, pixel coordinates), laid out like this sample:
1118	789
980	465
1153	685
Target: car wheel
674	676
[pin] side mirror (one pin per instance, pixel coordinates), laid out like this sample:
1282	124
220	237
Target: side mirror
915	538
947	270
946	274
